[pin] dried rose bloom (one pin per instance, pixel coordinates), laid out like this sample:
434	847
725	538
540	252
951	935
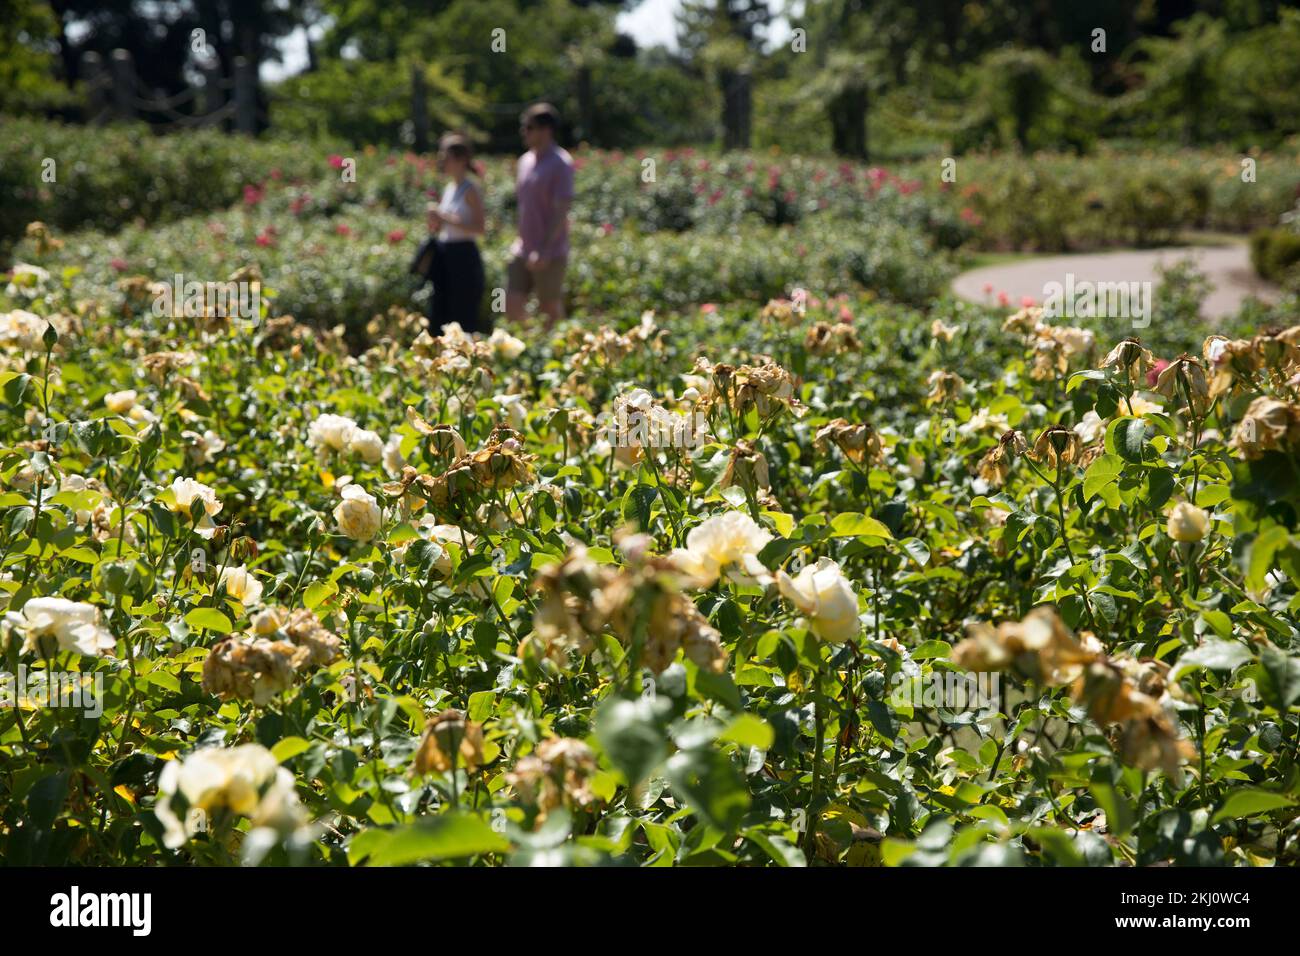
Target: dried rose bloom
566	621
443	439
253	669
858	442
1268	425
1131	357
1040	648
995	466
557	774
160	365
832	338
944	387
746	468
1184	379
1231	362
305	631
1026	322
1057	445
450	740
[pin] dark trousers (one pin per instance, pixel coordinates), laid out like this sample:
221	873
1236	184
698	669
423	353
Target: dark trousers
458	284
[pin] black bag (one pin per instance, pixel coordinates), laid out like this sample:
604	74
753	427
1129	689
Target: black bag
426	258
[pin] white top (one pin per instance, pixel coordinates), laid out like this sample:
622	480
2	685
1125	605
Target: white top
454	202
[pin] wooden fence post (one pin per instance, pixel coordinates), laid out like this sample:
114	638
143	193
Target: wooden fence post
419	109
123	71
92	76
213	98
737	109
586	104
245	97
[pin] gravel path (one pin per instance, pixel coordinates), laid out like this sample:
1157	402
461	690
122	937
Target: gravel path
1227	267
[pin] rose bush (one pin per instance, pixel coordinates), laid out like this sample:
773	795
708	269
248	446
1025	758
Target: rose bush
429	601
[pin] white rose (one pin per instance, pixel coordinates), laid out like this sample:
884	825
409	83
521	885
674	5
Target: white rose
269	620
73	626
1075	341
186	491
119	403
246	780
1090	428
330	433
1188	522
728	542
241	585
358	514
505	345
367	444
515	411
823	595
393	460
24	329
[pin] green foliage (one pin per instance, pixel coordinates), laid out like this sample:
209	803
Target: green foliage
358	101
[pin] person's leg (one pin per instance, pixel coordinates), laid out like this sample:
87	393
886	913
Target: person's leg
550	292
478	320
553	310
518	284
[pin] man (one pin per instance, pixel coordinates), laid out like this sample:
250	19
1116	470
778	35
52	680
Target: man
544	187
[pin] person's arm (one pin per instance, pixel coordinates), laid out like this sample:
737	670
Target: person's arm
433	217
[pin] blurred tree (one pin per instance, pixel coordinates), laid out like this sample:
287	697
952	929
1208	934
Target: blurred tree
1183	73
161	40
28	47
360	102
724	39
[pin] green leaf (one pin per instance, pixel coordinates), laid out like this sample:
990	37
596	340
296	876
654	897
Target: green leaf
749	731
1126	437
1119	812
1262	554
1105	471
444	837
711	785
1281	677
481	704
318	592
209	619
1214	655
1247	803
630	733
289	747
917	549
850	525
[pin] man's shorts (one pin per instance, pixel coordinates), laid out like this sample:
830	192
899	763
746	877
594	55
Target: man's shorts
547	282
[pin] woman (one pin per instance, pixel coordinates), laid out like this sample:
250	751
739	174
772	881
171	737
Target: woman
458	268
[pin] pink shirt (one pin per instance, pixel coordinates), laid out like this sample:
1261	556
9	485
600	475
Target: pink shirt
544	187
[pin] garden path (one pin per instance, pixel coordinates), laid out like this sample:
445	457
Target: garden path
1227	267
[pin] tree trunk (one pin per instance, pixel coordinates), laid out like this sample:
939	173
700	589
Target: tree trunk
847	111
